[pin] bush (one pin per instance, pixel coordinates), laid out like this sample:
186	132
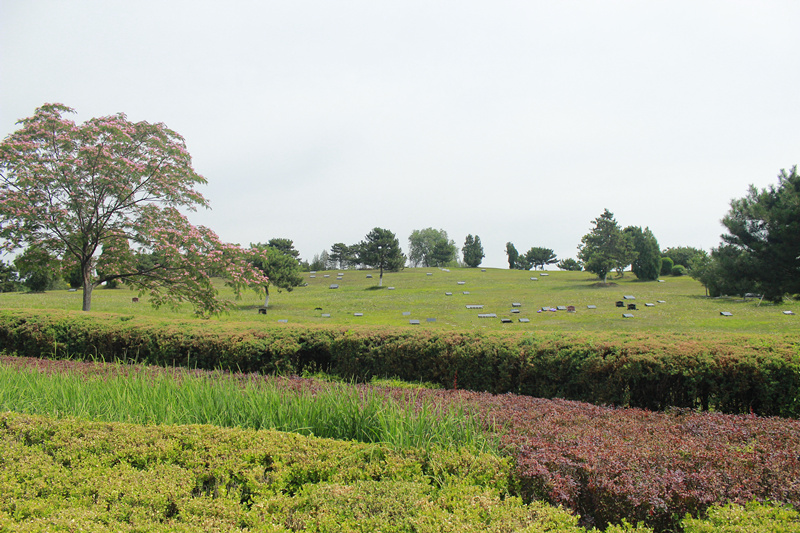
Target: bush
666	266
678	270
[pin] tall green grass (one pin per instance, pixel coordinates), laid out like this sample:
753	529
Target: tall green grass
331	410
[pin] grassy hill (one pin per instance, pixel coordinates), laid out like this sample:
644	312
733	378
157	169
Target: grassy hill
679	304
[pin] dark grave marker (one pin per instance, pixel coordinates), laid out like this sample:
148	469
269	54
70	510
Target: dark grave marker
570	309
317	309
135	300
631	307
262	310
620	304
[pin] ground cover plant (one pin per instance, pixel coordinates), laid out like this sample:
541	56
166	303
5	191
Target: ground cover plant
606	465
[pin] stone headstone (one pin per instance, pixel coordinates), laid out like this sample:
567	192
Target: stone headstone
358	314
483	270
414	321
317	309
629	297
326	275
369	276
627	315
534	279
525	320
631	307
662	301
506	320
620	304
72	290
340	274
726	313
406	313
313	272
591	306
649	305
570	309
661	281
487	315
515	311
283	321
474	306
326	315
312	276
788	312
465	292
135	300
262	310
430	319
334	286
561	308
391	288
462	282
448	294
429	273
516	304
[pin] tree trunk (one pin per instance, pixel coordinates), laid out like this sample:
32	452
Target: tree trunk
266	298
380	279
87	287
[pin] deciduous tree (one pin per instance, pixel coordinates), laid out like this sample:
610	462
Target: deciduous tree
430	247
73	189
280	268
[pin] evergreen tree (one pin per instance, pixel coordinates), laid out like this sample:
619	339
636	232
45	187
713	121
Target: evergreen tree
605	248
647	264
513	255
381	250
473	251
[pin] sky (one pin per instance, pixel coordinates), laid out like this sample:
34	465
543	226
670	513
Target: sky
520	121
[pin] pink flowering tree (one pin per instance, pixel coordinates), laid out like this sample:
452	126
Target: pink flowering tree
113	186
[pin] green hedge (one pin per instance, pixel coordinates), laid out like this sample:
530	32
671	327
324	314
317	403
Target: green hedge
730	373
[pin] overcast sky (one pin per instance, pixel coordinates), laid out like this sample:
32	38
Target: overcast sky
516	121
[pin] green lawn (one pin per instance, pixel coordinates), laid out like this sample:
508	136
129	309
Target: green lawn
683	307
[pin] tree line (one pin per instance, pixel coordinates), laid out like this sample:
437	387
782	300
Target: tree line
99	203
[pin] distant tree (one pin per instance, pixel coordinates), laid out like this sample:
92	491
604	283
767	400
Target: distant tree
513	255
71	189
666	266
570	265
729	270
472	251
381	250
605	248
538	257
340	255
647	264
683	255
38	270
319	262
430	247
9	281
280	269
765	226
285	246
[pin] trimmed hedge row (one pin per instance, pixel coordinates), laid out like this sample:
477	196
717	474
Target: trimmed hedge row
732	374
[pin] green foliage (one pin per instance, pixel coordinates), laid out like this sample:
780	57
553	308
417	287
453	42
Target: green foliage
282	269
666	266
728	271
679	270
38	270
684	255
513	256
647	265
538	257
765	227
606	247
285	246
753	517
570	265
343	256
9	282
472	251
381	250
430	248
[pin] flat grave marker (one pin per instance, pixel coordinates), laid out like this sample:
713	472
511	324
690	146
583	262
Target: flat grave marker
430	320
516	304
726	313
628	297
592	306
326	315
465	292
515	311
534	279
620	304
429	274
391	288
369	276
312	276
506	320
561	308
283	321
627	315
414	321
788	312
570	309
474	306
448	294
358	314
487	315
632	307
649	305
662	301
462	282
406	313
334	286
326	275
524	320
